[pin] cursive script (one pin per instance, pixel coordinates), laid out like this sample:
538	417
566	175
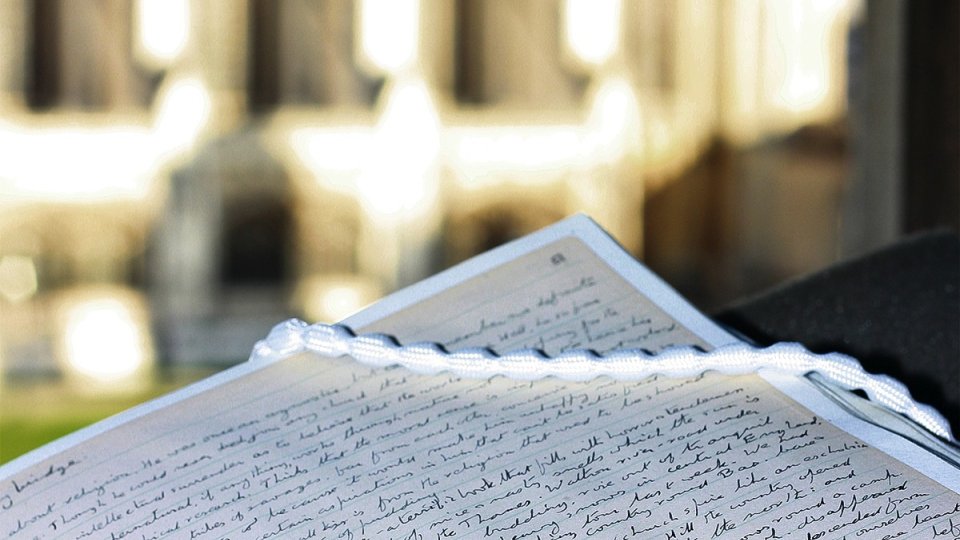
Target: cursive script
326	448
558	298
436	456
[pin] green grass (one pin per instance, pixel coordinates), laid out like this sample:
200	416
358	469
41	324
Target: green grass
20	436
36	412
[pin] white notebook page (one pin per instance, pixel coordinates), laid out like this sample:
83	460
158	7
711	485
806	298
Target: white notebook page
313	448
320	448
558	298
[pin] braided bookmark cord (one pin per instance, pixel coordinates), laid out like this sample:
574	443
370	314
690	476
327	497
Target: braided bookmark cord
378	350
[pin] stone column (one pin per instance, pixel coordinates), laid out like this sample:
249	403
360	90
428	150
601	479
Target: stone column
13	53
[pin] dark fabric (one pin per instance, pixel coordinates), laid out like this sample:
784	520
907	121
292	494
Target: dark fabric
896	310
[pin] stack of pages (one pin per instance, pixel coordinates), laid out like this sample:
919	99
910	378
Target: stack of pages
625	414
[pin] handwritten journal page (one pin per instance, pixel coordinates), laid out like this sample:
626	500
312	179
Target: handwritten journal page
581	292
320	448
567	286
557	298
310	447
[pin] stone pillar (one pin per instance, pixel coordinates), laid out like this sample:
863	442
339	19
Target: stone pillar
13	53
520	60
95	60
218	52
872	212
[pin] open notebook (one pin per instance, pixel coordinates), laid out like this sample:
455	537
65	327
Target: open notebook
297	444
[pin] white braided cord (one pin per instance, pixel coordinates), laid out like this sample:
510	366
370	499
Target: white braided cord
379	350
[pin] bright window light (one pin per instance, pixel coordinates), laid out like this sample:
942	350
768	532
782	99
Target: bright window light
334	297
183	112
338	150
593	29
614	123
89	164
163	27
799	52
103	340
98	161
18	278
490	155
389	32
401	178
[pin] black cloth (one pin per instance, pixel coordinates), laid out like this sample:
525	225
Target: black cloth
896	310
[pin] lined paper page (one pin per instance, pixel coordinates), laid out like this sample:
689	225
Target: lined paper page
557	298
319	448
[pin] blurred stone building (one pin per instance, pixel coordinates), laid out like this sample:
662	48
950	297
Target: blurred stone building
217	166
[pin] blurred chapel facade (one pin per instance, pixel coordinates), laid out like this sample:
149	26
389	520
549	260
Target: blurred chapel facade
191	172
